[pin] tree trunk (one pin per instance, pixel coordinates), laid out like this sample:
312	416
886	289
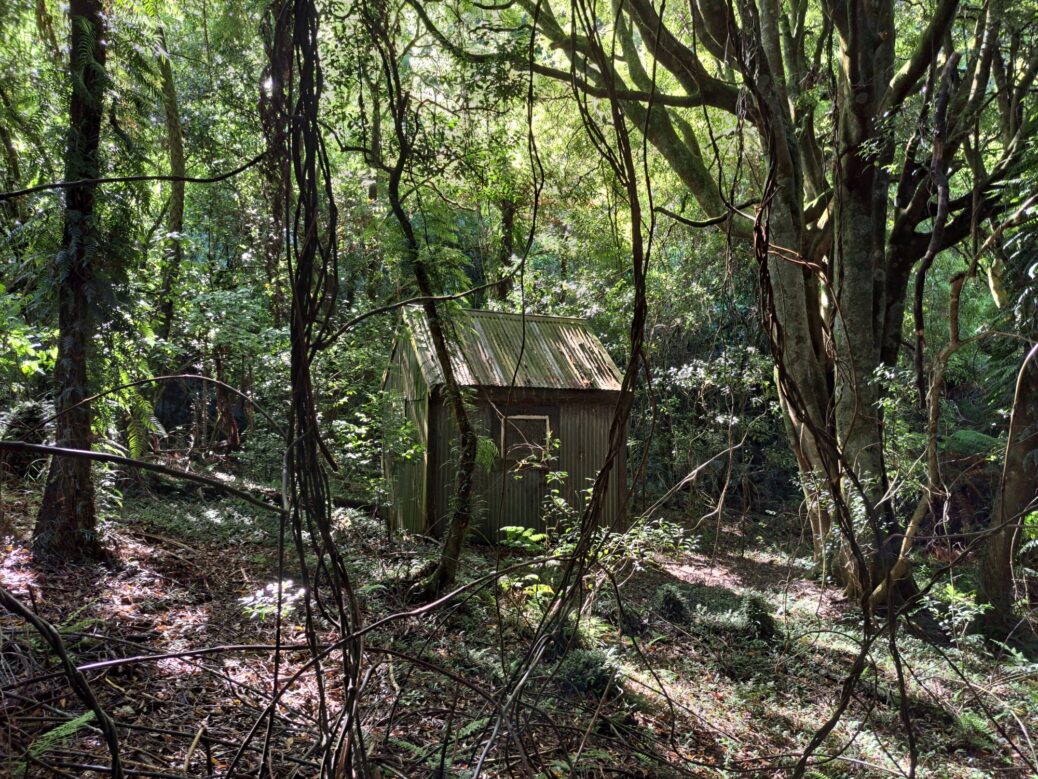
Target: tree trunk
801	379
446	570
45	27
276	167
860	194
508	207
1017	497
450	553
10	178
66	524
226	420
175	217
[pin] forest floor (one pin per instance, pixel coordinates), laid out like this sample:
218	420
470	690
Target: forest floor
697	682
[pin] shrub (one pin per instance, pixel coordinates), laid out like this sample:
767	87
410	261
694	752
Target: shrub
630	621
24	423
759	622
587	672
567	640
671	605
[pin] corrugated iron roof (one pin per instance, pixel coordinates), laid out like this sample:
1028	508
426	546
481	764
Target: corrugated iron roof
557	352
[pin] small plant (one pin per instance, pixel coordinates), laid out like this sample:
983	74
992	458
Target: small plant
481	661
567	640
671	605
487	454
53	738
587	672
975	730
525	539
958	611
759	622
1031	525
658	536
630	620
528	586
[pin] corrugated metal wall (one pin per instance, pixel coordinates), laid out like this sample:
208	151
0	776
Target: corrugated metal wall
406	479
499	498
584	435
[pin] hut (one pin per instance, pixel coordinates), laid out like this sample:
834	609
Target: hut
541	392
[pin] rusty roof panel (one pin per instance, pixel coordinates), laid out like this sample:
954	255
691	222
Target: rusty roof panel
556	352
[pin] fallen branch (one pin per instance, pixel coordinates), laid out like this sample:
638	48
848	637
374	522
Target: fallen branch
60	451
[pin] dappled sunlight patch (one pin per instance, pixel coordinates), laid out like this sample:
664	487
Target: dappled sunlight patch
163	596
221	521
705	573
122	603
182	624
262	604
177	667
17	573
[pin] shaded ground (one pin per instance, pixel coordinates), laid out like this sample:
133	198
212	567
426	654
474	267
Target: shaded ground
705	690
163	596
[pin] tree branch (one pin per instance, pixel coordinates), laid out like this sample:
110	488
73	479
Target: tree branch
104	457
131	179
709	222
925	52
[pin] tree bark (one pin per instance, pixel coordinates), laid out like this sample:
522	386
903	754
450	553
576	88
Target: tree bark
10	177
446	568
273	110
226	420
66	524
860	205
45	27
508	207
801	373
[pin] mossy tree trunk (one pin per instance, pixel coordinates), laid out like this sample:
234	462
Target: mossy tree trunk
1017	498
175	215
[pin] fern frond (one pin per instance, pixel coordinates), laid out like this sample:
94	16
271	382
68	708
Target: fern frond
55	736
